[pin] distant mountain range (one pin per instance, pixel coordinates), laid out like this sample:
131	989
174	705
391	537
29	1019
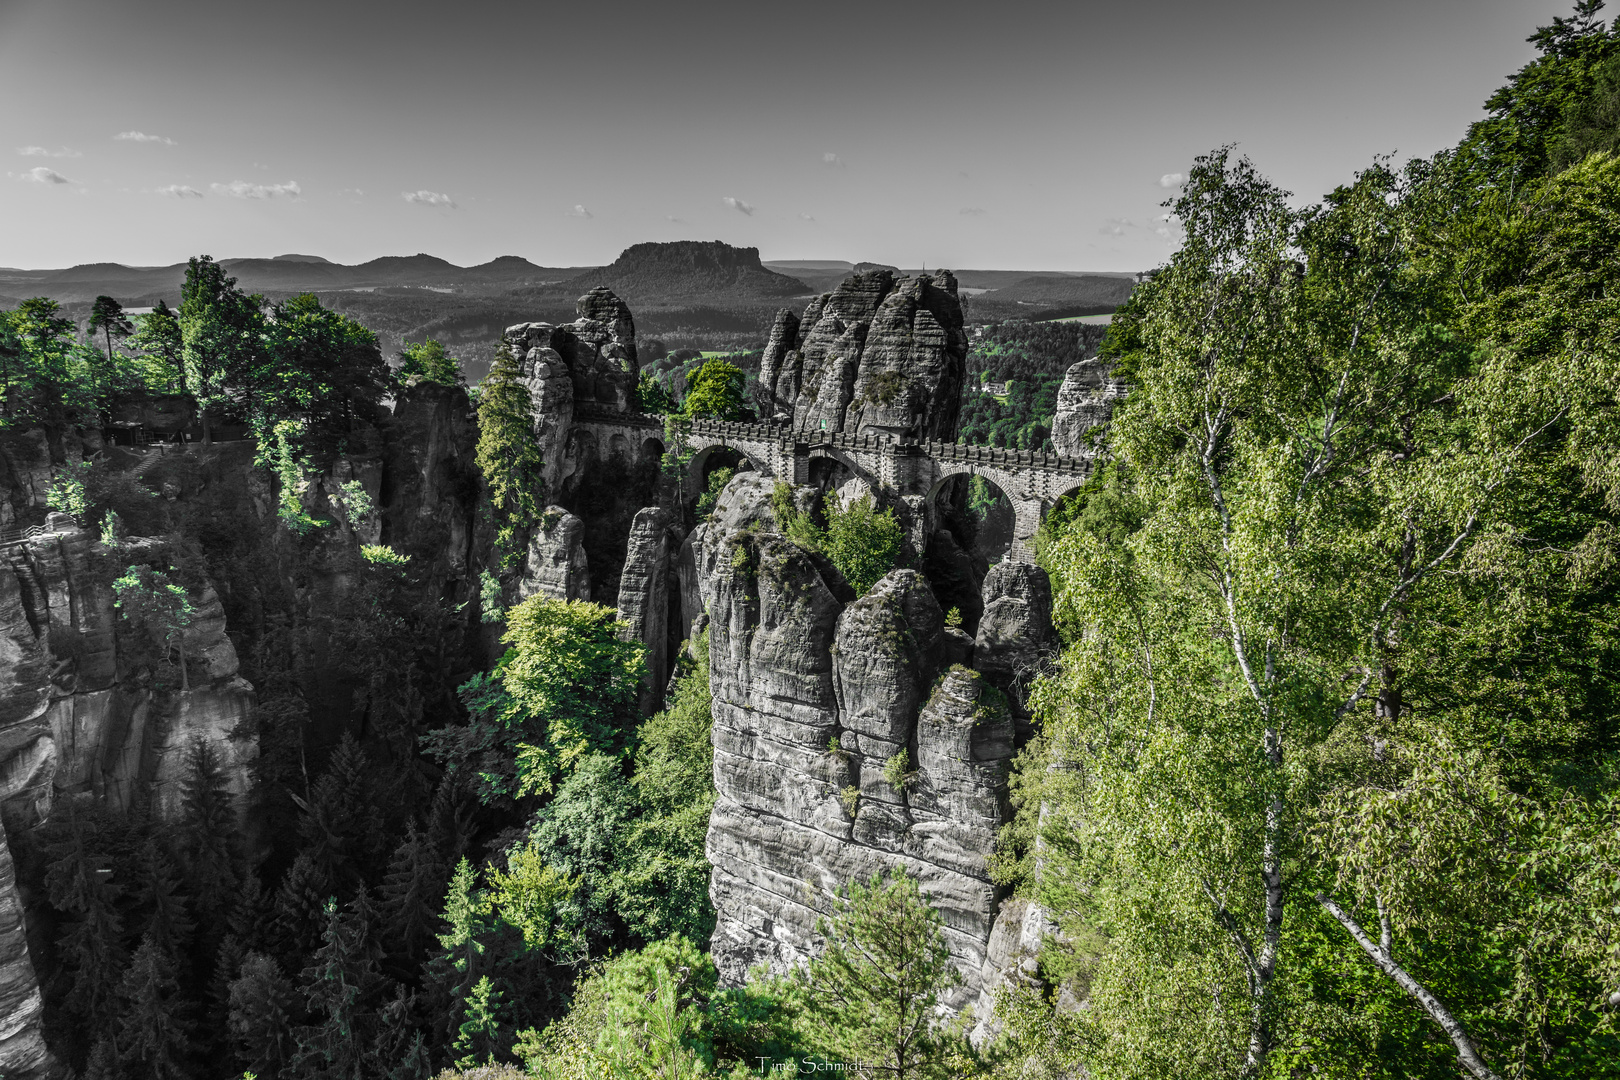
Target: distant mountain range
703	294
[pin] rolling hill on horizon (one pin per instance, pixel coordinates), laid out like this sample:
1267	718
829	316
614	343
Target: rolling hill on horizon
702	294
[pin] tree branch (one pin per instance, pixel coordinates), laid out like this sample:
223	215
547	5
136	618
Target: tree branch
1466	1052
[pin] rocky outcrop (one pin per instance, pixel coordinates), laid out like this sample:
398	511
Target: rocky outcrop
644	596
1015	636
596	350
1085	401
23	1055
556	565
1011	959
876	356
815	693
87	703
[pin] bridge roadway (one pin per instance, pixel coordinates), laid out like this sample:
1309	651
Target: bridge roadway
1032	481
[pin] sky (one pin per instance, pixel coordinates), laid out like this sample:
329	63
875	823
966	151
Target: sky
1019	134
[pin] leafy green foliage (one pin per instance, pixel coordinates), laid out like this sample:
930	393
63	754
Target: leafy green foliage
862	542
718	391
154	602
428	362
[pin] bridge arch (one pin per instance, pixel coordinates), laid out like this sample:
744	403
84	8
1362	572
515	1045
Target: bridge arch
715	456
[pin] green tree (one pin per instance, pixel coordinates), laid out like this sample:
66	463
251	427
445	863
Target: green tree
151	600
862	542
340	988
107	316
320	370
158	342
262	1006
427	362
718	391
222	340
153	1038
662	878
208	839
651	397
874	987
49	385
509	454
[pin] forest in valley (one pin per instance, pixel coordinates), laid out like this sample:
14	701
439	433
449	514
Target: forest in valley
1324	780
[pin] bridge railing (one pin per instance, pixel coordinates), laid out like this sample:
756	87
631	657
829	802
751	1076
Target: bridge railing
55	523
787	434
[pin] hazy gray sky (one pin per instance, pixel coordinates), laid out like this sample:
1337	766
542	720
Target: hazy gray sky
1018	134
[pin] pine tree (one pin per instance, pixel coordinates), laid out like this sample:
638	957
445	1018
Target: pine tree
875	986
509	454
338	986
400	1050
89	946
341	826
102	1063
262	1005
300	906
153	1036
209	839
410	893
479	1035
168	923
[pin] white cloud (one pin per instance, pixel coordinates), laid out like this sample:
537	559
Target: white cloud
579	211
42	151
352	191
832	159
806	217
141	136
676	220
428	198
972	211
1173	180
738	205
181	191
241	189
39	174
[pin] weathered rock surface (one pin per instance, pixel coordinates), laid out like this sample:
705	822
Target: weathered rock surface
1085	402
1015	631
23	1055
644	596
597	351
795	665
1011	959
876	356
80	710
556	565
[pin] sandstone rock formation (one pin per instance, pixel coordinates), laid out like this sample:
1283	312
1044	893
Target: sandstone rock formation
556	565
23	1055
876	356
597	351
814	693
1085	401
644	595
1015	636
74	716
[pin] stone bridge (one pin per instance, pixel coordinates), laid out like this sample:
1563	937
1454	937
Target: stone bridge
1031	481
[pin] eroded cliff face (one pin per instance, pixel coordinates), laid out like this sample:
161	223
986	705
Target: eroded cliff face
83	711
1086	400
814	694
23	1054
876	356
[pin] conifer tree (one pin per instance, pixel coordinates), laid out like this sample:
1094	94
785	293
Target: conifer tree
262	1006
509	454
415	882
153	1036
102	1064
208	839
300	909
338	986
341	826
876	984
89	946
168	923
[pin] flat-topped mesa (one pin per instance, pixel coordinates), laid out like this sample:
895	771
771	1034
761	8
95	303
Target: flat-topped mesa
879	355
